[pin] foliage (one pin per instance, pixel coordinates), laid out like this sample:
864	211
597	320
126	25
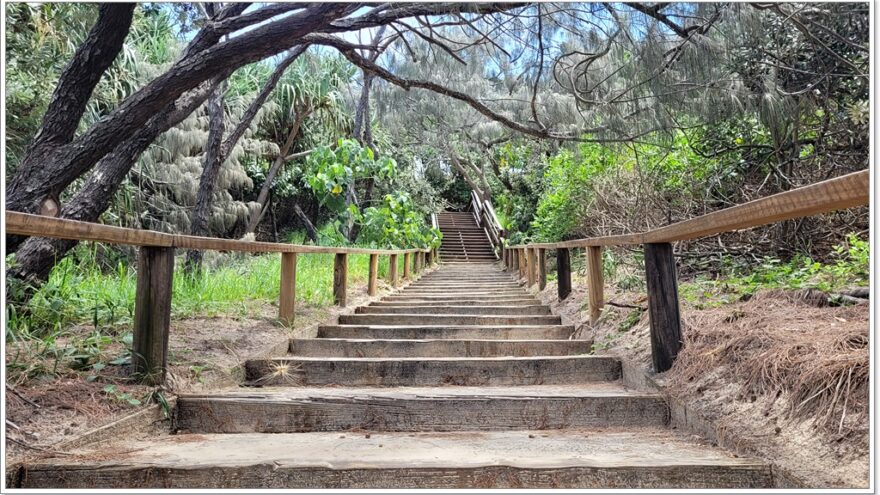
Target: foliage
331	173
850	268
395	224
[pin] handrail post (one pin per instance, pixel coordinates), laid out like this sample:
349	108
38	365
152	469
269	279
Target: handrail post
152	313
596	283
392	270
287	298
663	309
372	284
406	265
542	269
523	262
340	279
531	268
514	253
563	272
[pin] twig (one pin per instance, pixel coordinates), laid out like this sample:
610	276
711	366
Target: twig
33	447
623	305
20	396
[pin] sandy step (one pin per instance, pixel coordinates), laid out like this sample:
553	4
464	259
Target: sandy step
436	348
491	332
493	299
290	410
611	458
416	319
489	298
422	371
456	302
535	309
465	292
422	284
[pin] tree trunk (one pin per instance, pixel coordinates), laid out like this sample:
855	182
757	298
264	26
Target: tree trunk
69	100
210	172
311	231
273	171
36	257
49	171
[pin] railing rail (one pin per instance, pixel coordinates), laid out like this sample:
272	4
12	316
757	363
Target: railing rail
156	269
848	191
485	215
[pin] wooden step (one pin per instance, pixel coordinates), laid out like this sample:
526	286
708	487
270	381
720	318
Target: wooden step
387	348
492	332
525	301
413	409
424	371
416	319
631	458
535	309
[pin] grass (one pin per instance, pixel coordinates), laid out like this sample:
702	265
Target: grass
850	268
80	292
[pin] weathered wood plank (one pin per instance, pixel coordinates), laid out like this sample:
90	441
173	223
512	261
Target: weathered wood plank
531	268
406	266
59	228
563	273
663	307
595	281
835	194
392	270
62	228
542	268
840	193
287	300
373	280
340	279
152	313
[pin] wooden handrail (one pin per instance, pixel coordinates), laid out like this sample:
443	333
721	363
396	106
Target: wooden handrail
834	194
840	193
155	274
62	228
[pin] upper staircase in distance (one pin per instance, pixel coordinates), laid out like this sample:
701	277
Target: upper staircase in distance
463	239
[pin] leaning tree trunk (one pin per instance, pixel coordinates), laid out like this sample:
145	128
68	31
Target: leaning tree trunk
68	103
49	170
210	172
311	231
36	257
273	172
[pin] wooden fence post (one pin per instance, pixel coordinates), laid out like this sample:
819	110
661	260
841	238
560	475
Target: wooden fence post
340	279
531	268
373	282
515	254
563	272
392	270
406	263
429	258
152	313
542	268
662	305
504	260
596	281
287	300
523	262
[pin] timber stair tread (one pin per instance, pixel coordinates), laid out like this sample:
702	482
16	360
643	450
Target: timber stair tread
461	379
614	457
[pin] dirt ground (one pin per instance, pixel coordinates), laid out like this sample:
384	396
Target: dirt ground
818	450
204	354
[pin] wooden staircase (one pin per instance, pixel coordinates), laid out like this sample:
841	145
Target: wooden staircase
461	380
463	239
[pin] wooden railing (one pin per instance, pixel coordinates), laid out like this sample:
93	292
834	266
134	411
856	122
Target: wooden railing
486	218
156	270
844	192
